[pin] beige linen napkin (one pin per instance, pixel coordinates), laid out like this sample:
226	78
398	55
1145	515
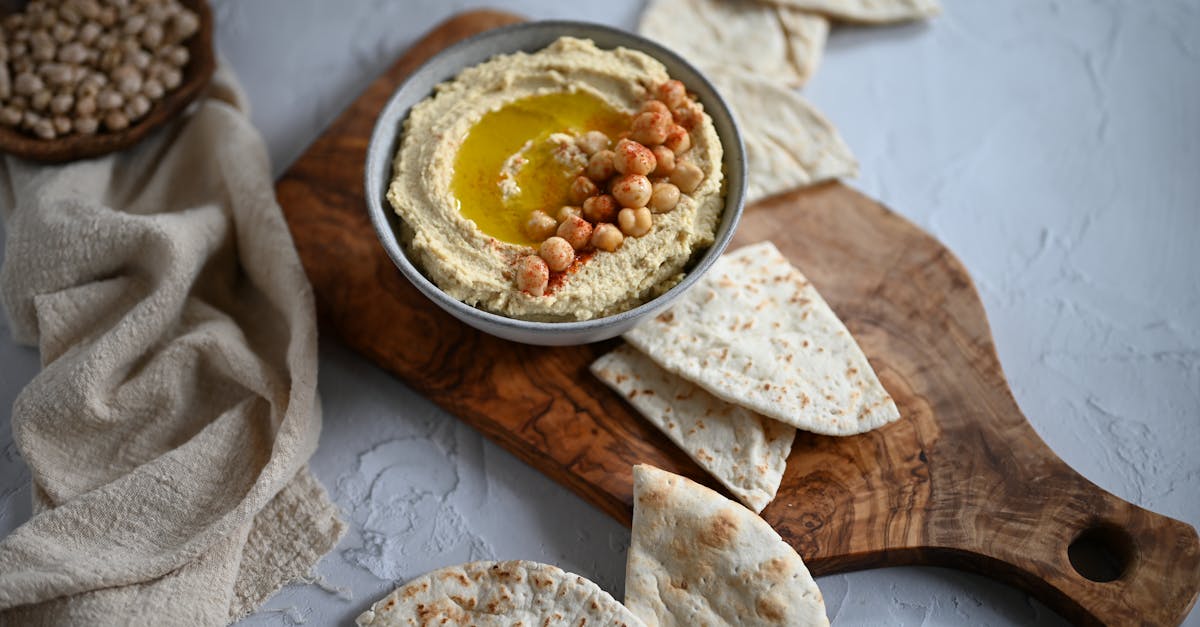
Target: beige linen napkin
168	431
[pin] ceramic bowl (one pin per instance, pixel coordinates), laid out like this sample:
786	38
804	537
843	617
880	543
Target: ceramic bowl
531	37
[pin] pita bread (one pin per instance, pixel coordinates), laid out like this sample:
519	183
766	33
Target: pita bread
756	333
788	143
866	11
746	452
717	35
487	594
697	558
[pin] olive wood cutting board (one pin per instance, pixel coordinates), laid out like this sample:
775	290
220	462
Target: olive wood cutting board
961	480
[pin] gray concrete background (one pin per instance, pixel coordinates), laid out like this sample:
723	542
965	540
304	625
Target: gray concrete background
1054	146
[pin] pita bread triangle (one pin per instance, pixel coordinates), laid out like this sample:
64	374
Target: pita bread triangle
755	332
697	558
743	450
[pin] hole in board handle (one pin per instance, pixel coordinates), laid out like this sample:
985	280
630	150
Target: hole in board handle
1101	553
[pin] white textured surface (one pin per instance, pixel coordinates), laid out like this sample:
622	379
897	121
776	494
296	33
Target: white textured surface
1055	146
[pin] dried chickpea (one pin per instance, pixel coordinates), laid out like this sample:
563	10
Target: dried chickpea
557	253
539	225
115	121
62	104
607	237
635	222
86	125
532	275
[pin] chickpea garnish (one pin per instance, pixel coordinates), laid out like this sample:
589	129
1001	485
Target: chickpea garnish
673	94
576	231
633	158
601	166
593	142
532	275
539	225
566	213
655	106
678	140
632	190
635	222
664	159
607	237
650	128
601	208
557	253
687	176
582	188
663	198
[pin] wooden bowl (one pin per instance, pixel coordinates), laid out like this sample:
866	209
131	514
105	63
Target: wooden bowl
196	75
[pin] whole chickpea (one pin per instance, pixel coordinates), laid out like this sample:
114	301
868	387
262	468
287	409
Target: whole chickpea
635	222
678	140
557	253
601	166
688	115
655	106
632	190
593	142
633	158
673	94
576	231
664	159
566	213
663	198
539	225
602	208
582	188
687	177
650	128
532	275
607	237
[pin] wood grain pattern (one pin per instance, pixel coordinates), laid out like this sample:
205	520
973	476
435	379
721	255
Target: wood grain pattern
196	76
961	480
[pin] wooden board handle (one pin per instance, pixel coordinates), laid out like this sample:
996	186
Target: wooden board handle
1093	557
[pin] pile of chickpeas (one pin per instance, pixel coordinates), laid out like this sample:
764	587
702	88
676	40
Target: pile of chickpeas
620	190
87	66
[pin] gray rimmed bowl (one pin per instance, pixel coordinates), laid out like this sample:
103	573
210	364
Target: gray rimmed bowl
531	37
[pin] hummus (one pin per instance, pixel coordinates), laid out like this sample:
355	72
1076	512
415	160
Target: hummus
463	226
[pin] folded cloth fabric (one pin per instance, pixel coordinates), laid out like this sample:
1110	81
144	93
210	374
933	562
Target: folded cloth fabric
168	431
